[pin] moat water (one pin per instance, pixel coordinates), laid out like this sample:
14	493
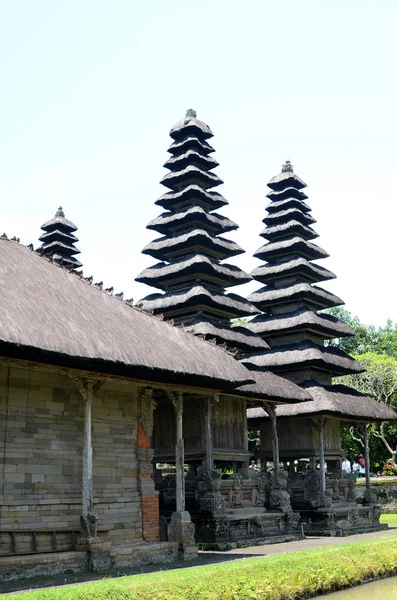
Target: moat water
385	589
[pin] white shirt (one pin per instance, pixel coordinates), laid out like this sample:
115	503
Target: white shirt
346	466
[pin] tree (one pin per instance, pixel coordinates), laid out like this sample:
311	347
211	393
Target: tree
380	383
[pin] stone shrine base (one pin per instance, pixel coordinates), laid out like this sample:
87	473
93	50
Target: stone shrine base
341	520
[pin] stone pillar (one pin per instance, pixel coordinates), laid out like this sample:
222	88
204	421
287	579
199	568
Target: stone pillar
271	411
144	454
367	462
209	402
87	451
181	528
321	424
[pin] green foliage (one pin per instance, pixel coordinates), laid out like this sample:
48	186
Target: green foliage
368	338
280	577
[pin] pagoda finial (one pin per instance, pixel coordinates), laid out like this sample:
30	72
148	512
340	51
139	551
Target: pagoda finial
60	212
191	113
287	167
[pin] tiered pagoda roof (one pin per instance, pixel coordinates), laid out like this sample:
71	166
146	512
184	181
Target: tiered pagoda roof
290	299
191	274
59	241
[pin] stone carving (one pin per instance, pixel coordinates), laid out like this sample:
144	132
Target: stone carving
237	492
145	470
146	412
313	493
334	480
351	496
375	513
144	453
169	490
88	524
279	498
209	496
370	496
181	530
261	484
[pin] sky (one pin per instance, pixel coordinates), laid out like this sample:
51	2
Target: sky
89	91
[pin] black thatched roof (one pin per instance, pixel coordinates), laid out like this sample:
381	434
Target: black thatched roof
277	205
190	142
191	175
289	213
287	229
190	125
197	240
50	315
311	295
58	240
181	161
192	194
336	400
236	337
294	245
194	216
164	275
230	305
285	179
285	193
299	267
303	320
267	386
307	354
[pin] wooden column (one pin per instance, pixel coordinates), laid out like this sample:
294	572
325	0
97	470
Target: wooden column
367	461
87	450
320	424
179	452
209	447
271	411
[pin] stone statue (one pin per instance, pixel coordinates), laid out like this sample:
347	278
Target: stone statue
237	492
88	524
208	493
261	484
279	498
313	492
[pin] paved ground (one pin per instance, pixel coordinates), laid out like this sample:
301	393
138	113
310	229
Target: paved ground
204	558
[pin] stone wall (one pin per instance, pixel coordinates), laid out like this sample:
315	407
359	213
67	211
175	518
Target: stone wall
386	490
41	440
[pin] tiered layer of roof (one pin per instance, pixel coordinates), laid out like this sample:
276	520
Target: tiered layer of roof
192	275
58	240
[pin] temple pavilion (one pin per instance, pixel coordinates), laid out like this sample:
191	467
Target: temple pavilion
193	278
299	335
58	240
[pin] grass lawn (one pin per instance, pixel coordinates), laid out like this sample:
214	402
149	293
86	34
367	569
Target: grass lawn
290	576
390	519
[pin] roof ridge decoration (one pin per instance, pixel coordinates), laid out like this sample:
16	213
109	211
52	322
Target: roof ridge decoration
194	291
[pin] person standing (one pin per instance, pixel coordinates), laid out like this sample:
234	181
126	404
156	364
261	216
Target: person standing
346	466
361	462
355	467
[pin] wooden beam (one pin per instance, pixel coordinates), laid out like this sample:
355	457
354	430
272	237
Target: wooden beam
271	411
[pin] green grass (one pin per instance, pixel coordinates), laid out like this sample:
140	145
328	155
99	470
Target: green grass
390	519
290	576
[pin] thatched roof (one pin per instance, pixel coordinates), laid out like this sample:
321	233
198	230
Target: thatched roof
292	227
299	320
162	274
276	205
51	316
305	354
299	267
195	215
190	126
236	337
192	194
190	142
289	213
56	234
286	179
58	246
285	193
230	305
57	221
336	400
179	162
165	247
295	245
268	386
310	294
190	176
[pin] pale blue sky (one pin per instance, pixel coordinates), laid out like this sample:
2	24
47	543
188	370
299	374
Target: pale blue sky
90	89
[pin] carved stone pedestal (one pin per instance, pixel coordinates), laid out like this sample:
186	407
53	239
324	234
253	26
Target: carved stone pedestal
98	553
181	530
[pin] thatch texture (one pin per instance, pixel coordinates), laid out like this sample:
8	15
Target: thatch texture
285	193
195	216
59	220
299	267
192	194
277	205
299	320
336	400
310	294
286	179
229	304
179	162
305	354
51	315
189	176
191	126
268	386
162	274
294	245
190	142
292	227
165	247
236	337
289	213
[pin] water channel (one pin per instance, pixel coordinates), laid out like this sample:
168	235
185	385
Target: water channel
385	589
